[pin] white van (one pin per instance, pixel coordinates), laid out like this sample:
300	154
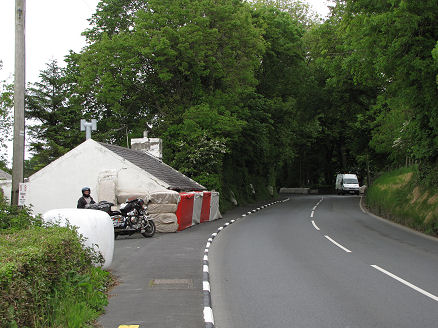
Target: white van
347	184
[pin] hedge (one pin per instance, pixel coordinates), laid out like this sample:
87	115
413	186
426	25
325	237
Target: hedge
45	274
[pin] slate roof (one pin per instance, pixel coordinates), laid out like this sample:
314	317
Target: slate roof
5	175
176	180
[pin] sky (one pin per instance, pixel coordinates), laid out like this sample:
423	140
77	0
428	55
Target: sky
53	27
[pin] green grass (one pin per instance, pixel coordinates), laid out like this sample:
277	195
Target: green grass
397	195
78	302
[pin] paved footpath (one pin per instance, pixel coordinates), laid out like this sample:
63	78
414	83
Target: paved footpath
160	278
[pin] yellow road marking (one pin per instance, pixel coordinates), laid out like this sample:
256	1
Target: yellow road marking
129	326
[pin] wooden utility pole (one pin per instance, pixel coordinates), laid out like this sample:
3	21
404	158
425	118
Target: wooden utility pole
19	87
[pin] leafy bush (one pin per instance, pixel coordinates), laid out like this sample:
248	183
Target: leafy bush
13	218
47	279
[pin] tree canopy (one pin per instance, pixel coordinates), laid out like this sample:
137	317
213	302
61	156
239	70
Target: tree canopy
259	93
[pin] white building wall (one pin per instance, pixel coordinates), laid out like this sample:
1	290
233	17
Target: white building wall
59	184
6	186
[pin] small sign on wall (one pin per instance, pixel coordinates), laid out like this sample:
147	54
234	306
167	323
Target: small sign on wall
22	192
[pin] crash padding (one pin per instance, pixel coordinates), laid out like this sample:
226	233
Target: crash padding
162	208
214	206
205	210
95	226
197	206
165	197
184	212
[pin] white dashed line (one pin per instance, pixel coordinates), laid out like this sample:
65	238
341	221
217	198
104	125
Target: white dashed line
314	224
418	289
337	244
311	214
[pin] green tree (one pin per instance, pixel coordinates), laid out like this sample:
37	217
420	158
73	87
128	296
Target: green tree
300	11
176	60
54	117
6	119
340	103
393	42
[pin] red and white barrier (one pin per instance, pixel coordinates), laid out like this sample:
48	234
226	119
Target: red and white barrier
184	212
214	207
205	209
197	207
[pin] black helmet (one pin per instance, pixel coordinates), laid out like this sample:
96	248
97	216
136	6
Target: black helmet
85	189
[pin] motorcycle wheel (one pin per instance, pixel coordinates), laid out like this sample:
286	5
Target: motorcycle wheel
149	230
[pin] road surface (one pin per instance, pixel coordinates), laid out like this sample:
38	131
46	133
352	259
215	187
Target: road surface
320	261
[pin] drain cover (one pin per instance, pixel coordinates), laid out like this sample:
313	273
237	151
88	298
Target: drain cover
171	283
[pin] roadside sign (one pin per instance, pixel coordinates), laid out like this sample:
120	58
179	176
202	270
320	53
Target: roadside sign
22	192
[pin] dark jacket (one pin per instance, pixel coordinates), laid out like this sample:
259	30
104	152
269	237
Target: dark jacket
82	202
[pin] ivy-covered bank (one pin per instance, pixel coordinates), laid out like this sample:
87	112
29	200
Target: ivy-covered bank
47	278
400	196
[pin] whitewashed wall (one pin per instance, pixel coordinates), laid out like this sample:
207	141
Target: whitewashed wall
6	186
59	184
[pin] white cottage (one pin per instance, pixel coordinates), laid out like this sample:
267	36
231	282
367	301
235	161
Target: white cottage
112	172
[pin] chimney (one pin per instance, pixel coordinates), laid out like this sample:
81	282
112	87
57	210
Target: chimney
151	146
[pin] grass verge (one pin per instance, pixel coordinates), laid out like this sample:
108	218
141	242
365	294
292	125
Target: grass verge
398	196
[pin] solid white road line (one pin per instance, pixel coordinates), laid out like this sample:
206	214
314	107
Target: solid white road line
418	289
360	205
314	207
311	214
337	244
314	224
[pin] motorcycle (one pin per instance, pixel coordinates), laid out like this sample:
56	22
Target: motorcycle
132	217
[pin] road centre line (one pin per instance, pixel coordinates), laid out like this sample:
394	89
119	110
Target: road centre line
314	224
337	244
418	289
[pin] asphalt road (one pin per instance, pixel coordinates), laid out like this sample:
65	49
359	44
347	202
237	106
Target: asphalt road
276	269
